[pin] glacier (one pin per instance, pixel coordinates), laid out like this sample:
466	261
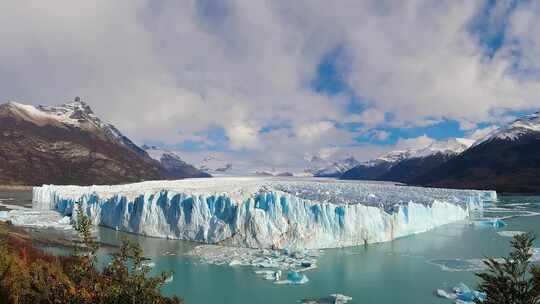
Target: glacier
273	213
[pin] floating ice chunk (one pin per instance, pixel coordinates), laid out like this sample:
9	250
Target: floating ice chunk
490	222
509	233
41	219
458	264
444	294
234	263
260	258
535	252
340	299
462	294
294	277
335	298
270	275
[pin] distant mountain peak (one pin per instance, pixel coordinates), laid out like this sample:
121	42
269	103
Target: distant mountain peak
68	143
173	162
514	130
452	146
328	167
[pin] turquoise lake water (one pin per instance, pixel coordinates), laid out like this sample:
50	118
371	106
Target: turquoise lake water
407	270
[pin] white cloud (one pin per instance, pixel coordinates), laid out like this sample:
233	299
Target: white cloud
172	70
381	134
369	117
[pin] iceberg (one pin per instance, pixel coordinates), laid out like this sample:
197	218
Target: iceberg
273	213
335	298
490	222
462	294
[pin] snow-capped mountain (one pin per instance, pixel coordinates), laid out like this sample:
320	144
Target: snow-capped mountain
76	114
173	162
321	167
507	160
68	144
452	146
214	164
529	124
389	158
405	165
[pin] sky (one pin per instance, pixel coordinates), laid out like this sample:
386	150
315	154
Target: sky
271	83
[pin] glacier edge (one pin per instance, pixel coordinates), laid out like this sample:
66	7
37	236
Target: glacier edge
264	214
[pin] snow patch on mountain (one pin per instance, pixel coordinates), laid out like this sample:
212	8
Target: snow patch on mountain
450	147
318	166
214	164
76	114
158	153
526	125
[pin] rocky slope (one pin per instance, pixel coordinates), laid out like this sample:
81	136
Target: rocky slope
68	144
173	163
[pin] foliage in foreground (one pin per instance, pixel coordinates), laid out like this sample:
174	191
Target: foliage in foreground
513	279
28	275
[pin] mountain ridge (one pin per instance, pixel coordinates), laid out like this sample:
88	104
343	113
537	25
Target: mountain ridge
68	144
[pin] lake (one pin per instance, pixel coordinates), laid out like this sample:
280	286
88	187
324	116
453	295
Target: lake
407	270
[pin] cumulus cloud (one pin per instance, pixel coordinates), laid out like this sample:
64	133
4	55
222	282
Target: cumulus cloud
173	71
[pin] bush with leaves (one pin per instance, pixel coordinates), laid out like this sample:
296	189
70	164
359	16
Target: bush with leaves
513	279
28	275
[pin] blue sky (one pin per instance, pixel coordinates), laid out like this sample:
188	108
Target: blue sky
269	84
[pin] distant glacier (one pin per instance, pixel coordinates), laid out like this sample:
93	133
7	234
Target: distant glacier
266	212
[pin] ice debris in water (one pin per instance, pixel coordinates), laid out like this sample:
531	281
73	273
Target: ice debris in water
462	294
490	222
275	264
455	265
36	219
294	277
509	233
335	298
474	264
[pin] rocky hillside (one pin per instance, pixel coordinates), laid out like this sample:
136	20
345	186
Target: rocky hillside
173	163
68	144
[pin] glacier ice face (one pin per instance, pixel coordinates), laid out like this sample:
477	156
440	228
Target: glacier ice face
266	212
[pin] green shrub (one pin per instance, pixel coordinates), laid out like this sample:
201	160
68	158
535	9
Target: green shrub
513	279
28	275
